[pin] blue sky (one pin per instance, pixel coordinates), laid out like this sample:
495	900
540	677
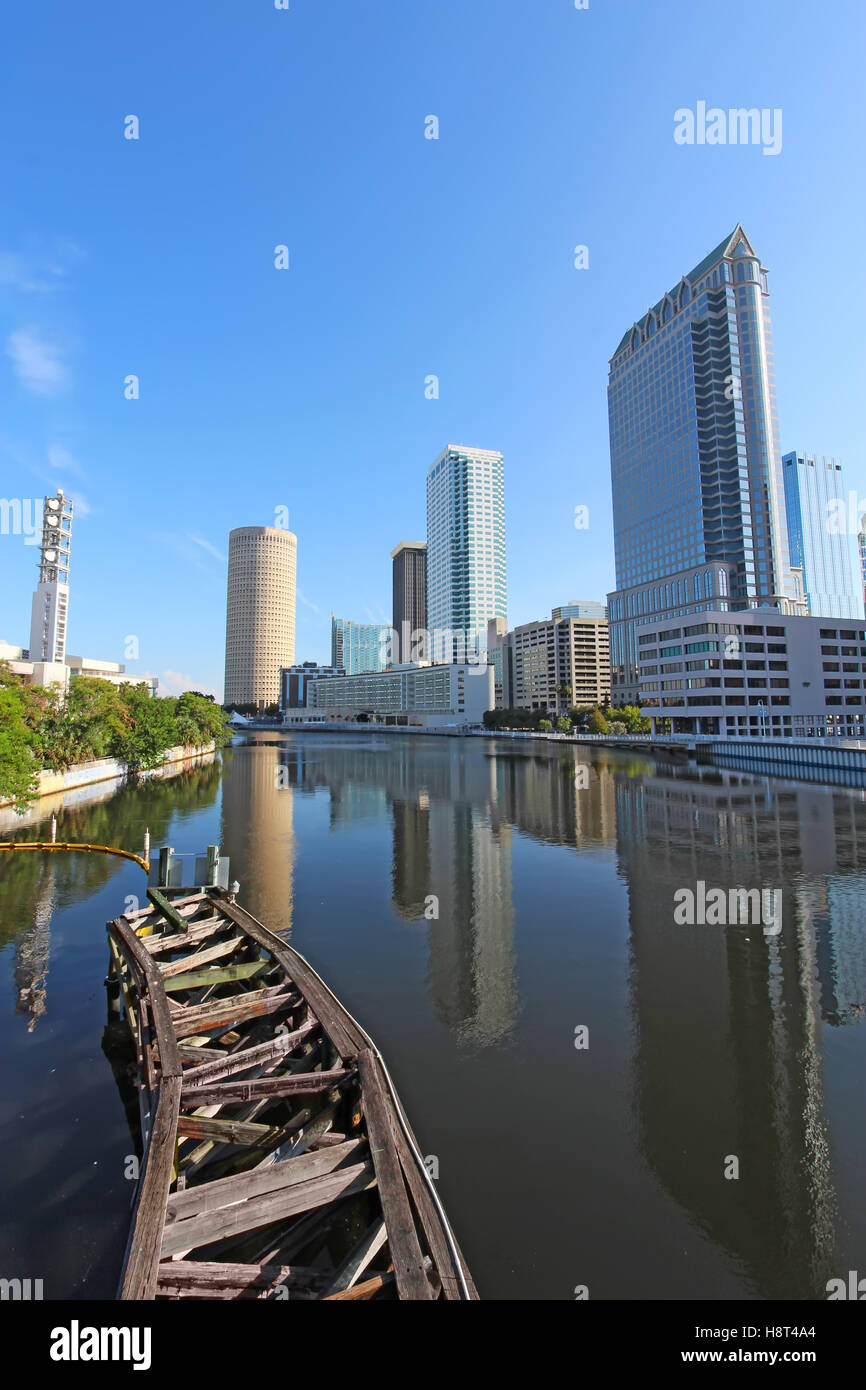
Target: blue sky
408	257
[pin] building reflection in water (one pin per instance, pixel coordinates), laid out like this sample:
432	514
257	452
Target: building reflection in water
257	829
726	1050
33	951
727	1021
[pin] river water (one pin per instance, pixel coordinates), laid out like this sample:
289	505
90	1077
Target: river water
614	1101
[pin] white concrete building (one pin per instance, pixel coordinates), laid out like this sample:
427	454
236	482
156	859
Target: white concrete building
60	673
418	695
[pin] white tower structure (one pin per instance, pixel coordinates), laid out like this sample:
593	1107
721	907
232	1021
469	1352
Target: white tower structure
51	599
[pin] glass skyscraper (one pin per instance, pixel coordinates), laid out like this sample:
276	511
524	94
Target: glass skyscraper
466	583
359	647
696	467
820	536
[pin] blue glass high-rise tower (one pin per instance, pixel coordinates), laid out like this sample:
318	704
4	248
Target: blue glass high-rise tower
696	468
822	535
466	583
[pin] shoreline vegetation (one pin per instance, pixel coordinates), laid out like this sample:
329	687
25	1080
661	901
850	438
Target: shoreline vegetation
44	730
580	719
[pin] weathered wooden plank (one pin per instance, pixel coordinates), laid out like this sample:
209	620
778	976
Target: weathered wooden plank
412	1282
166	1040
429	1218
222	1066
225	1131
225	1192
159	945
167	909
199	1056
216	975
142	1252
333	1017
263	1211
203	1018
199	958
210	1279
230	1092
365	1290
358	1258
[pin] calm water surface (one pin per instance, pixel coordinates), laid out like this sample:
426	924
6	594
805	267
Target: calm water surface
559	1166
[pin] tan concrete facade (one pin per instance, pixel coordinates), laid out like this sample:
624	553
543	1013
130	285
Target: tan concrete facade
260	612
550	656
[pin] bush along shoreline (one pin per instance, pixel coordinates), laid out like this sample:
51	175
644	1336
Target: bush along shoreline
44	730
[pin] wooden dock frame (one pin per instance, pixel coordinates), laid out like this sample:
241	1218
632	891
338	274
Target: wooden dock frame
231	1026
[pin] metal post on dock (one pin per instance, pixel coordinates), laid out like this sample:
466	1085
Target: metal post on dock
146	854
213	859
164	861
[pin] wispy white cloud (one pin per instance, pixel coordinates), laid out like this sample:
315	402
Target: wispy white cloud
194	550
38	272
36	361
307	602
62	461
211	549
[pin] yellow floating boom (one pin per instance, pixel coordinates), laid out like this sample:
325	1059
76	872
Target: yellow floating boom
84	849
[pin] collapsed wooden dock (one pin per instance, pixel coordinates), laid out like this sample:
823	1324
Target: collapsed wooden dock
277	1159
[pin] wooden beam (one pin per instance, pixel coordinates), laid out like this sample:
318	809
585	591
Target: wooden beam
158	945
225	1131
270	1088
166	1039
194	960
203	1018
358	1258
359	1291
222	1066
431	1222
412	1281
160	901
225	1192
210	1279
142	1251
215	975
244	1217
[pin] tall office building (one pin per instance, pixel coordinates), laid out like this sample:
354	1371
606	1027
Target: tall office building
410	596
50	608
819	537
359	647
260	613
696	467
861	546
466	584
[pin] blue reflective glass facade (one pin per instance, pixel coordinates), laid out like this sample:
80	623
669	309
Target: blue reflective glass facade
698	496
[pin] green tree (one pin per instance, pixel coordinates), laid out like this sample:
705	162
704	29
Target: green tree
596	722
19	763
563	724
633	719
545	725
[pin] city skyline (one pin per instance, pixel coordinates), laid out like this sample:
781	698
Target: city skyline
162	273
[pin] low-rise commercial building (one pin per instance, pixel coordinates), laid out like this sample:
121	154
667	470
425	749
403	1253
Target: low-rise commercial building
759	674
60	673
418	695
294	681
